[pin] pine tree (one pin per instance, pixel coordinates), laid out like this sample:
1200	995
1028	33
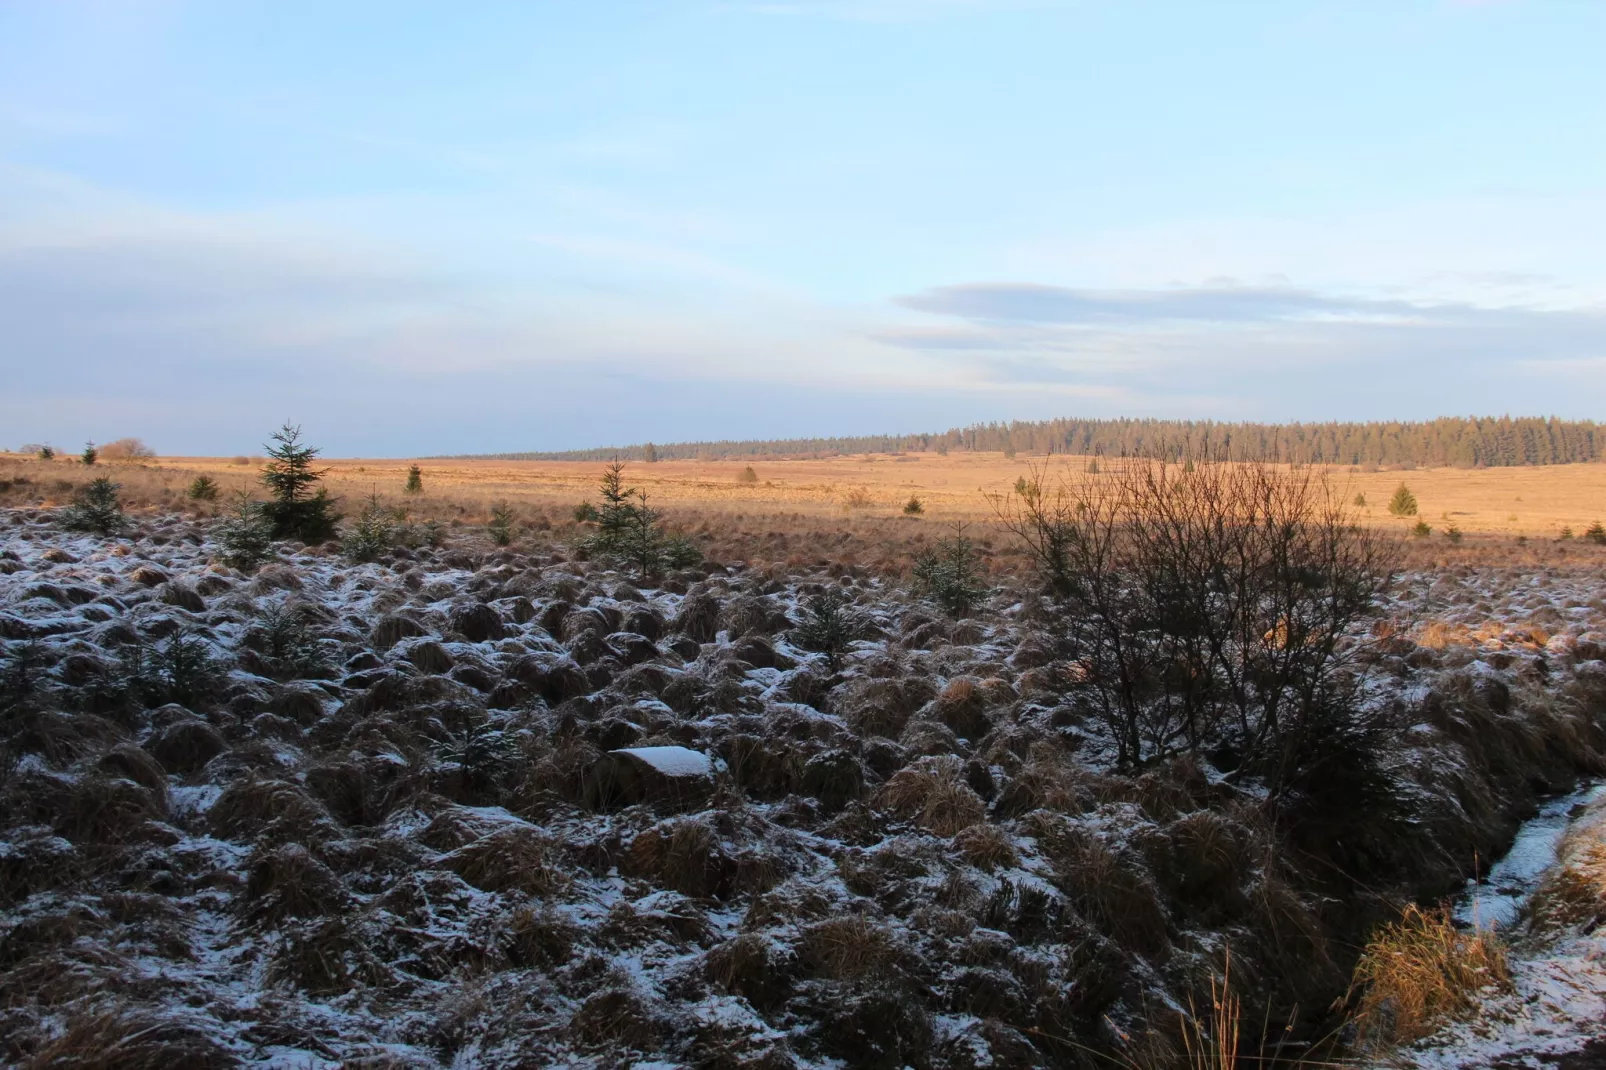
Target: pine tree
296	511
415	480
649	453
96	508
501	526
618	510
47	453
90	454
1403	503
244	540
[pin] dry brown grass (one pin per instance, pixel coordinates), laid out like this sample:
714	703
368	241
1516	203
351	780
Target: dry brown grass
849	948
683	854
1421	971
517	858
987	846
126	1039
1537	501
1573	894
933	793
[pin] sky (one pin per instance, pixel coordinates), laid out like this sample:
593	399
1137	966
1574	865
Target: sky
419	228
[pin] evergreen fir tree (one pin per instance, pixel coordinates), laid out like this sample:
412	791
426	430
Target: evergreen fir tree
1403	503
415	480
296	511
90	454
96	508
501	526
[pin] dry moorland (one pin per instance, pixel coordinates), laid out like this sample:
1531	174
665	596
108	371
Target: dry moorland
446	802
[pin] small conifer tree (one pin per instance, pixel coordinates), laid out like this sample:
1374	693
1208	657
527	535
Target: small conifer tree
501	526
47	453
90	454
950	575
415	480
1421	530
913	507
96	508
616	515
244	540
203	489
1360	500
296	511
1403	503
649	453
1596	534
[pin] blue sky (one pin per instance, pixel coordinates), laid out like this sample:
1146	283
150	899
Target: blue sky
479	226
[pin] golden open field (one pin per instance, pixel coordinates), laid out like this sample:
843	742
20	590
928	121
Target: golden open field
1532	501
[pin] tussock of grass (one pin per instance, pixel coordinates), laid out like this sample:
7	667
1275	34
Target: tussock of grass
1420	972
986	846
110	1036
933	793
849	948
682	854
514	858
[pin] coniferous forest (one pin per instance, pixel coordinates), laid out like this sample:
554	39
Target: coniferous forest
1462	442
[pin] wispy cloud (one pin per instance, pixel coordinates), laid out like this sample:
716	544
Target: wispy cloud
1292	349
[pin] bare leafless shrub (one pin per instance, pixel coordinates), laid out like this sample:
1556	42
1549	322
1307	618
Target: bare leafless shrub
126	449
1207	603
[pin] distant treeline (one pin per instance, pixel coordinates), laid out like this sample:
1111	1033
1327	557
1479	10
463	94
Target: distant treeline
1468	442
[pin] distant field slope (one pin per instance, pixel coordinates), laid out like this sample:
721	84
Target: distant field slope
1467	442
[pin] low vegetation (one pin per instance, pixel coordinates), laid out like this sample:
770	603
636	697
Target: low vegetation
1422	971
535	790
